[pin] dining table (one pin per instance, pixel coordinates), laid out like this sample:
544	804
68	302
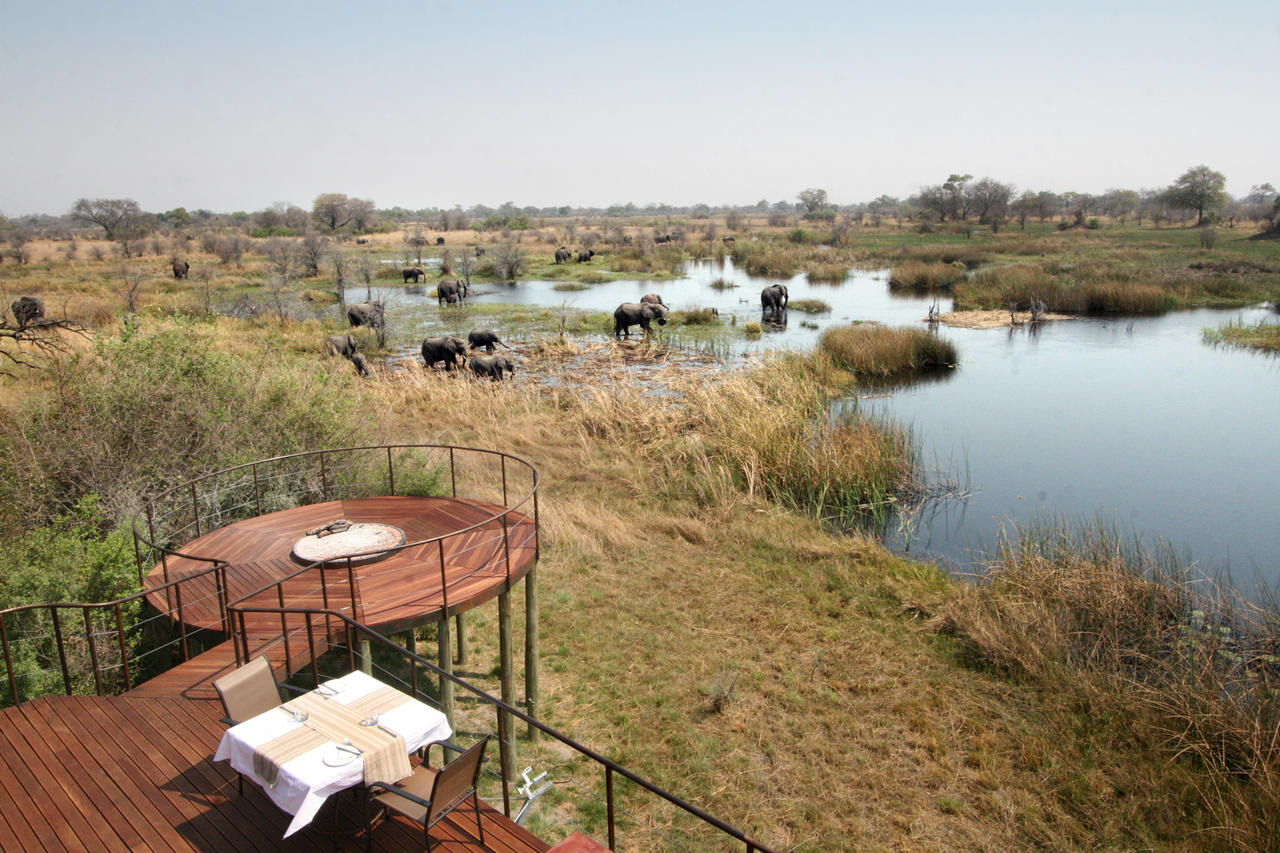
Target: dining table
345	733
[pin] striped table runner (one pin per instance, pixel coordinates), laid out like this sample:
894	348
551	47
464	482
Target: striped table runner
386	758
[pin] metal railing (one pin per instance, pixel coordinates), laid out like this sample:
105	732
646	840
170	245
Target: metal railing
353	632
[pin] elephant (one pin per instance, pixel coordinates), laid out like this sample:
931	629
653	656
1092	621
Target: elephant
180	269
451	291
662	238
773	300
629	314
563	255
652	299
343	345
479	251
447	348
728	241
492	366
28	310
413	273
439	241
484	338
362	241
371	314
362	365
585	257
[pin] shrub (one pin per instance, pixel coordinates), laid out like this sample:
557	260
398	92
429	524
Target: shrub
799	236
152	408
914	275
875	351
829	273
696	317
809	306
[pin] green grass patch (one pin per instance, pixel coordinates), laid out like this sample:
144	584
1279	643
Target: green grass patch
809	306
1263	336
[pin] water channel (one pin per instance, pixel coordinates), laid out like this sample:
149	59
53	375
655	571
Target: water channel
1134	422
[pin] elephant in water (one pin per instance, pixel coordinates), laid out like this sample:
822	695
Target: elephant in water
773	300
412	273
492	366
486	338
371	314
630	314
563	255
451	291
180	269
652	299
28	310
343	345
447	348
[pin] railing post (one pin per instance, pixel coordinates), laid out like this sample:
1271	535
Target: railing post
62	652
506	672
8	660
124	648
284	627
220	581
311	651
137	553
531	650
93	650
453	475
244	641
324	484
503	459
182	622
608	796
257	492
507	770
391	473
195	508
444	583
537	539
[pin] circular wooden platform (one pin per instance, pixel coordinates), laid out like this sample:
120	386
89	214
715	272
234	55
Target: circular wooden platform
405	589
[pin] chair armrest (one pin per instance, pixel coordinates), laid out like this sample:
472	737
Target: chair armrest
444	745
229	721
374	787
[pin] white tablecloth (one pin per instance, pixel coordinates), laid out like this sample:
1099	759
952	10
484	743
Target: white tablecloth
306	781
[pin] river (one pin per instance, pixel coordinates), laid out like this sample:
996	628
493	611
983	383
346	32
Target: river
1135	422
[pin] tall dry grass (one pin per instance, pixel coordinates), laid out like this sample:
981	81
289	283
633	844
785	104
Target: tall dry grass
1190	664
917	275
874	351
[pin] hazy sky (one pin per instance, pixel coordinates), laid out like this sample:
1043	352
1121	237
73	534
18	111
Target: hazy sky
237	105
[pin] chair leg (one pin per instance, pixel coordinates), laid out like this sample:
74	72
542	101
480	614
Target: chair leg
475	795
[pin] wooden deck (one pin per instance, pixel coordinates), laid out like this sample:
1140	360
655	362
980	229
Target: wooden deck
89	773
403	590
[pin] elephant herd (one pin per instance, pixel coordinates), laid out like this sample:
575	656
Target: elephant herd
453	352
564	254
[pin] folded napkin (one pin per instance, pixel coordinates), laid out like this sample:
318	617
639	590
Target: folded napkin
268	757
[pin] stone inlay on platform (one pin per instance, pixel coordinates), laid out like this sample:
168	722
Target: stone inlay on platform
360	538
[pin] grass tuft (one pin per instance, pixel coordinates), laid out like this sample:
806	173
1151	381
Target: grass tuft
875	351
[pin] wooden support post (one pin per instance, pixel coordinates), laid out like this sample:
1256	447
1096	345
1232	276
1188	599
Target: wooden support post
462	640
366	657
531	648
507	672
445	662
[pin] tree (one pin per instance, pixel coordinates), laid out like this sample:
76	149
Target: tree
364	215
114	215
1200	189
990	200
331	211
812	199
956	199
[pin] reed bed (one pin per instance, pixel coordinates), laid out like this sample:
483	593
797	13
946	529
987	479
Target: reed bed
881	352
925	276
809	306
945	254
1187	663
1263	336
826	272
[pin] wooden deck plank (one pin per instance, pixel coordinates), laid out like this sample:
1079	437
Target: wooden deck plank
148	764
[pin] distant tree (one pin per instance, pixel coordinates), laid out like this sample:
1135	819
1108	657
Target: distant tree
312	251
331	211
935	201
1119	204
364	215
466	267
133	279
1200	189
813	199
957	201
114	215
341	271
1024	207
178	217
990	199
282	257
507	262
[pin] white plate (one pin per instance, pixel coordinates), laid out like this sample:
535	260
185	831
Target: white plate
332	688
335	757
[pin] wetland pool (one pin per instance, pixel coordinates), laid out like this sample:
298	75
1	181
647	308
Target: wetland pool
1132	422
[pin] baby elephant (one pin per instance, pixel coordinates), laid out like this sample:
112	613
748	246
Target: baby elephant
484	338
492	366
343	345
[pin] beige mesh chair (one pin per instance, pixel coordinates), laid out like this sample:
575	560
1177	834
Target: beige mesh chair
248	691
429	794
